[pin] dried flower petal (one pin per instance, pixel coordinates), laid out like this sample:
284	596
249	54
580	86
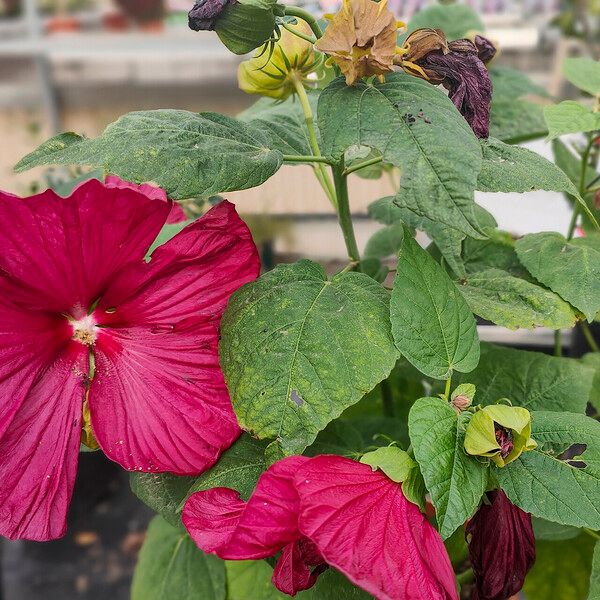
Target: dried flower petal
485	49
501	547
361	39
204	14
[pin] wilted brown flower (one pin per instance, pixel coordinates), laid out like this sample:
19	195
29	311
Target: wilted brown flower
458	66
361	39
501	547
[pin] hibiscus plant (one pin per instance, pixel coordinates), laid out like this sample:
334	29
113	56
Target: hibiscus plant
301	433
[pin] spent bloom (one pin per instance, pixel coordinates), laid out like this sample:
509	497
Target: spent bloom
501	547
87	325
361	39
460	66
276	71
327	511
499	432
205	13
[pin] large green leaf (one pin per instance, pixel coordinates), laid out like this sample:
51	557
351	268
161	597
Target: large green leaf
187	154
385	242
284	121
251	580
434	183
297	349
238	468
570	268
499	297
570	117
533	380
455	480
431	322
553	489
510	84
583	73
514	169
561	570
595	575
498	252
514	120
455	20
171	566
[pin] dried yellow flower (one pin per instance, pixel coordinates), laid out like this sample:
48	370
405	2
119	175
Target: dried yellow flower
276	71
361	39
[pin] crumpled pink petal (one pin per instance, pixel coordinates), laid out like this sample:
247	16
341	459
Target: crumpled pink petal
364	526
221	523
175	216
158	400
63	252
298	567
40	448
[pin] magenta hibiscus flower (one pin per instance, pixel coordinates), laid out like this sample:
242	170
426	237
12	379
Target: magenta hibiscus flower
327	511
78	302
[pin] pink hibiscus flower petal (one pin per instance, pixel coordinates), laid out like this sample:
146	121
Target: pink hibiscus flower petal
298	567
64	251
40	448
222	524
363	525
175	216
158	400
192	274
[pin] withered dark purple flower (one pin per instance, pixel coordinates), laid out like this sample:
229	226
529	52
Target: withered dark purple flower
204	14
501	547
485	49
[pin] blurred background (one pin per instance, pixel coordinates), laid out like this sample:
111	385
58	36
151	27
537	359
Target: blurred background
78	64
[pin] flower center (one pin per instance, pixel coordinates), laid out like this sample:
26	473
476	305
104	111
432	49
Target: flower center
505	439
85	330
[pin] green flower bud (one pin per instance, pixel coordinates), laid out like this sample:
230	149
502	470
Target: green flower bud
499	432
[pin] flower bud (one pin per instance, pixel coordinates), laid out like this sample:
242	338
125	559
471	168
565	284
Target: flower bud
462	397
499	432
501	547
291	60
361	39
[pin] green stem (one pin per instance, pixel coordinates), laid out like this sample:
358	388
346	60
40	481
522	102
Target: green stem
465	577
558	343
320	170
344	216
362	165
295	11
585	329
306	159
448	386
297	33
581	202
593	182
591	533
386	396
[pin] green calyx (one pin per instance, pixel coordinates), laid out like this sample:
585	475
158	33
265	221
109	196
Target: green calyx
499	432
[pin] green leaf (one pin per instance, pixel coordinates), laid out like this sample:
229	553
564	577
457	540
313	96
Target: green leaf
554	489
514	121
570	117
238	468
594	593
434	184
455	480
496	253
510	84
251	580
187	154
385	242
509	301
592	360
285	123
514	169
569	268
431	323
171	566
162	492
246	24
297	349
561	570
455	20
391	460
549	531
339	437
532	380
168	231
583	73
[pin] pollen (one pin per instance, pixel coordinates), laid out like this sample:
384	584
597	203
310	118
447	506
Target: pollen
85	330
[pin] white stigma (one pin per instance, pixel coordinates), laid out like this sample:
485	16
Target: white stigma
85	330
